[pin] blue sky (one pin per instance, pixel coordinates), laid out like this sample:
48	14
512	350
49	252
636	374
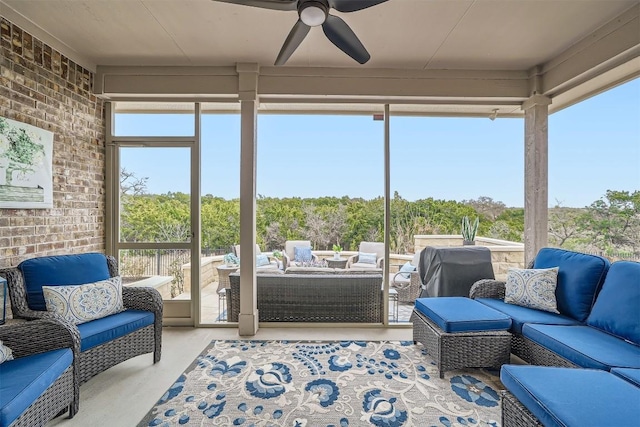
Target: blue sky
593	146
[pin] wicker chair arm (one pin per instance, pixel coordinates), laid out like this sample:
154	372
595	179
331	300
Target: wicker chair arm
380	263
487	288
39	336
351	260
141	298
112	265
286	261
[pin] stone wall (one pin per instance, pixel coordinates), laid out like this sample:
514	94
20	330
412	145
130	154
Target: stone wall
43	88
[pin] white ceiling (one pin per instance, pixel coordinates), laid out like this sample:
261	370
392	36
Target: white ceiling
407	34
496	35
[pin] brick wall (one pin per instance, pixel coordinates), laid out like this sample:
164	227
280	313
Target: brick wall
42	87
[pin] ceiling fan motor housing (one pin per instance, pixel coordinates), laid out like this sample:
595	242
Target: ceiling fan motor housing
313	12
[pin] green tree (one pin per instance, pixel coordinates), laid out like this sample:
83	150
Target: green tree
613	221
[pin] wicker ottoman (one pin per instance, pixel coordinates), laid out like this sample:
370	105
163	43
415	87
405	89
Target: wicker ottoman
461	333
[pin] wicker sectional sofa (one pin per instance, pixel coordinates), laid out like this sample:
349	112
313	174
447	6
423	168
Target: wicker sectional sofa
329	297
598	329
41	380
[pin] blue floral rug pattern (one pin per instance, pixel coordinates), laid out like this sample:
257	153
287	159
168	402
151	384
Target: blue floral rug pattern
321	384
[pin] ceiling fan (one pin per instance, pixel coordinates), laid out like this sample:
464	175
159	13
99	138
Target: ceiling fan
312	13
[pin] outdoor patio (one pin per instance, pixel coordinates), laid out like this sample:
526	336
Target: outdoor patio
504	254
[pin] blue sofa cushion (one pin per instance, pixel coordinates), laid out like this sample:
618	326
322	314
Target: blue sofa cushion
579	279
628	374
585	346
60	270
562	397
617	308
459	314
26	378
521	315
108	328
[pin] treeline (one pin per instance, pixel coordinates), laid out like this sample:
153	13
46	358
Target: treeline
609	225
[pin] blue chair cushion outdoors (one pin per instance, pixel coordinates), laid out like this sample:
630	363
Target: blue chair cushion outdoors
561	397
60	270
460	314
628	374
26	378
579	279
617	308
521	315
108	328
585	346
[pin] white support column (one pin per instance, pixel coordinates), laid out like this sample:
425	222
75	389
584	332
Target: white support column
248	94
536	175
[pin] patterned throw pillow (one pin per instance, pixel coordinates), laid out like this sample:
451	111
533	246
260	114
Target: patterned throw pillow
262	260
82	303
5	353
302	254
534	288
367	258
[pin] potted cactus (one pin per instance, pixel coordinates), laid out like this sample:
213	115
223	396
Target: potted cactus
469	230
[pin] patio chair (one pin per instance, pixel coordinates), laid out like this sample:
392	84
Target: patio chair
261	264
407	281
104	341
365	256
289	255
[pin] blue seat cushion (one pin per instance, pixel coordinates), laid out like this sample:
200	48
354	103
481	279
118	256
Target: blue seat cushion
459	314
629	374
579	279
585	346
60	270
521	315
108	328
617	308
26	378
562	397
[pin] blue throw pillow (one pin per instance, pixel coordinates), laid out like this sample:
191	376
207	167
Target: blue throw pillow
262	260
408	268
367	258
302	254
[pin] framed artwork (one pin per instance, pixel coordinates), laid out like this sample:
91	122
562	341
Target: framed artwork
26	154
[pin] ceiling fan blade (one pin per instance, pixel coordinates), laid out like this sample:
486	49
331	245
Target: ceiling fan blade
266	4
345	39
353	5
295	37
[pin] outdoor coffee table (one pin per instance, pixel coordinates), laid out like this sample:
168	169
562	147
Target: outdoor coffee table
336	263
460	332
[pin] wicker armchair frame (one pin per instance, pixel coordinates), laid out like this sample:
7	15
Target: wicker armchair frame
97	359
38	337
313	298
407	291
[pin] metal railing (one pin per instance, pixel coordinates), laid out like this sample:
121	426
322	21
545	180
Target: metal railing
158	262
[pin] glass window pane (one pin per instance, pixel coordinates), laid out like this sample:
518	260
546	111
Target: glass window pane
155	203
154	119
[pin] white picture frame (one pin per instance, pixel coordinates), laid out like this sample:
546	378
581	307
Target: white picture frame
26	171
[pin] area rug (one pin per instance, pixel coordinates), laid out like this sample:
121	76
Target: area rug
309	384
